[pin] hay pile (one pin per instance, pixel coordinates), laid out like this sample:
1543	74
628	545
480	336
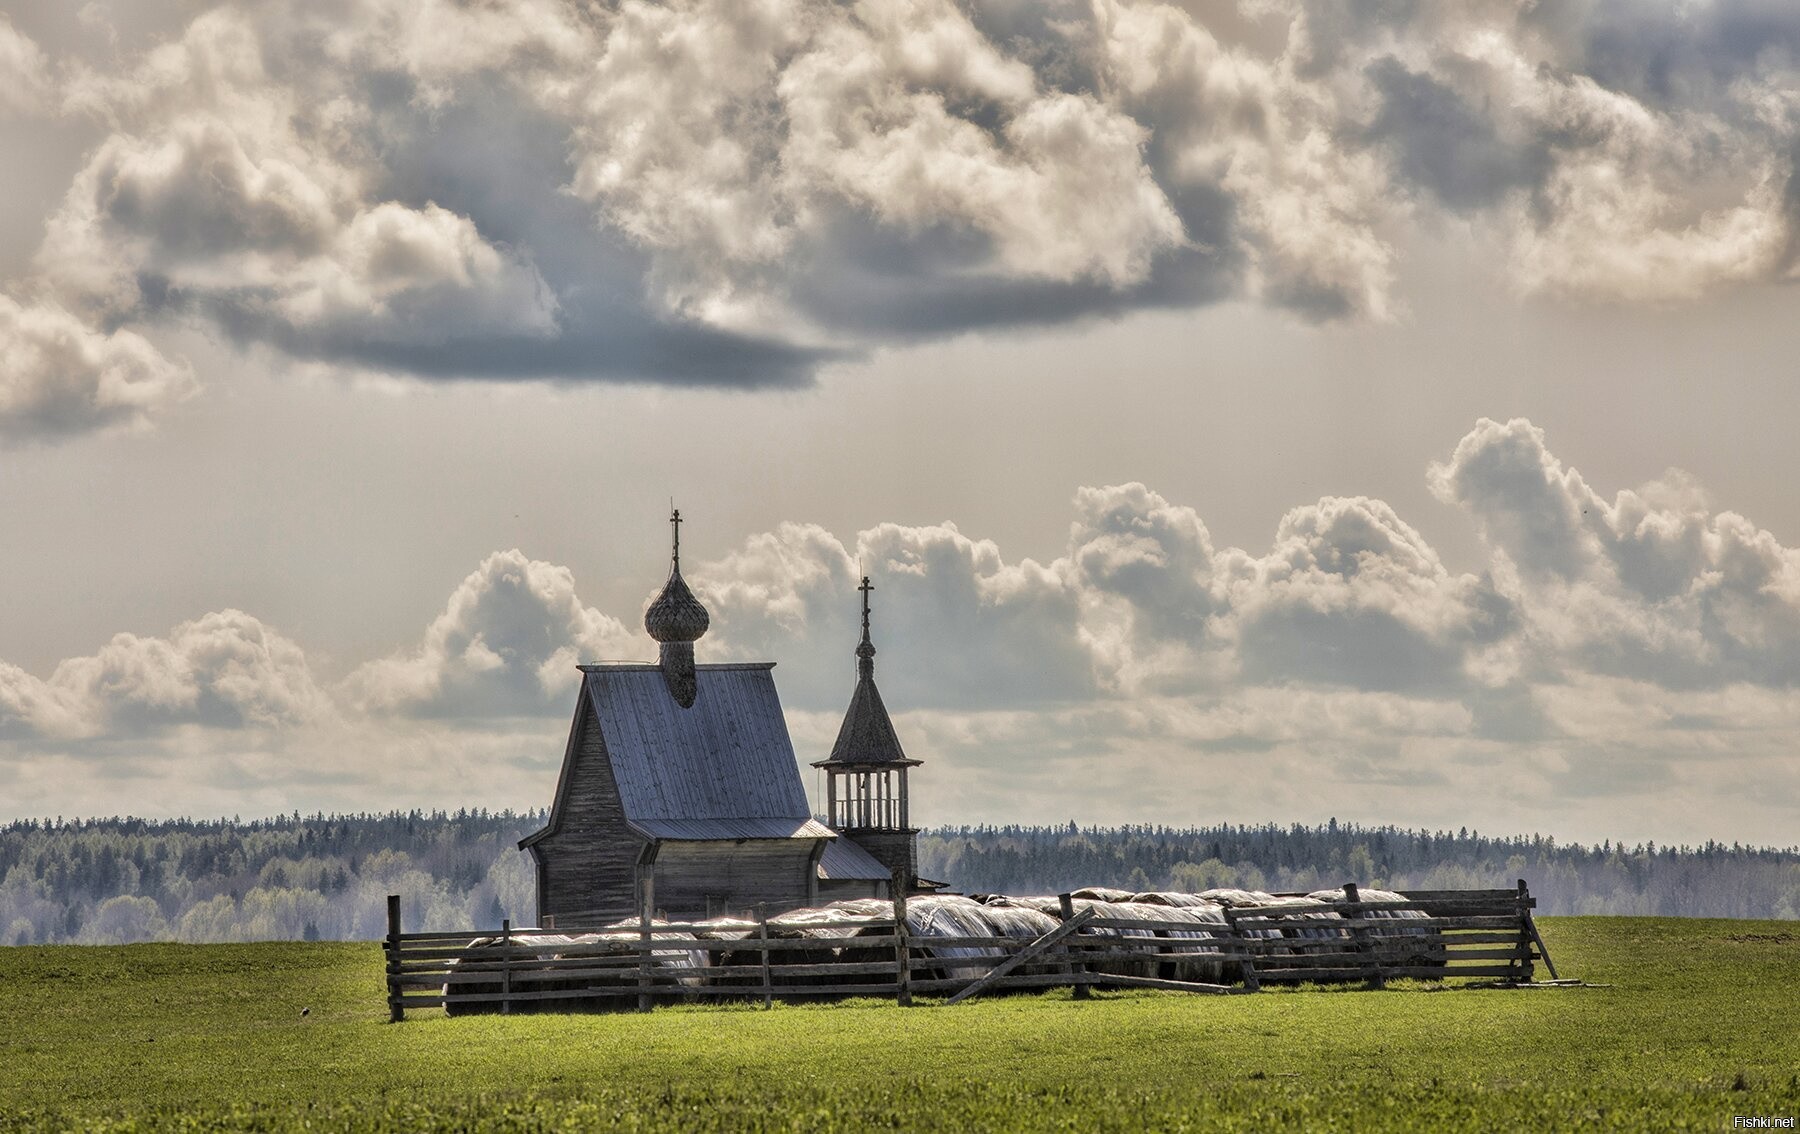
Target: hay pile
835	933
1404	944
1196	956
946	916
1171	898
1043	904
1101	894
669	966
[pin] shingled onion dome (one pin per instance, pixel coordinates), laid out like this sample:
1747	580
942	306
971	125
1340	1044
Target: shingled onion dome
676	620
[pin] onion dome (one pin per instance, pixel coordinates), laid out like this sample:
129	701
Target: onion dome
676	615
676	620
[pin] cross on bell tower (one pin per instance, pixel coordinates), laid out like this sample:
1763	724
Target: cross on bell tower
865	650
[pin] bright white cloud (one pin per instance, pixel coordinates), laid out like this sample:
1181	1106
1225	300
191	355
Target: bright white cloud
507	643
25	83
225	669
59	376
1652	583
226	186
1615	650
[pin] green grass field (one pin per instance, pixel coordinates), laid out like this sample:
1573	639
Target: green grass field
1699	1025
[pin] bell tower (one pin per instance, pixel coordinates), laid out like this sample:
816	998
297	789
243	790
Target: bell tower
865	775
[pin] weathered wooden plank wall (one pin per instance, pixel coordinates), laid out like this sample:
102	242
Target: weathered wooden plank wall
718	877
588	865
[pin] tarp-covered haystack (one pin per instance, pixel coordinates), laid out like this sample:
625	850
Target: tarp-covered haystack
826	930
1043	904
850	932
547	965
1391	926
1229	896
1171	898
933	918
1323	930
1196	958
1101	894
1307	939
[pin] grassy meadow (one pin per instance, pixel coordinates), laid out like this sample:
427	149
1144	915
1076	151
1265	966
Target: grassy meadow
1698	1025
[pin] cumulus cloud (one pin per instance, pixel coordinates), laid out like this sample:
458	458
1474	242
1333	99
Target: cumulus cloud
507	643
1612	651
956	622
28	88
1141	604
1652	583
734	193
1627	154
221	189
60	376
1352	595
225	669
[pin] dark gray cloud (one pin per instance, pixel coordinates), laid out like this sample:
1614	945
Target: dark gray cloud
1447	147
1673	55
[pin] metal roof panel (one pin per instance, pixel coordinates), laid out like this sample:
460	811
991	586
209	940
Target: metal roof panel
846	860
701	830
726	758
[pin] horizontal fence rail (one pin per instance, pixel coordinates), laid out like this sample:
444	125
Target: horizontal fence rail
1444	934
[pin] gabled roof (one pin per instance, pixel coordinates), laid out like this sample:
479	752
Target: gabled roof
867	735
721	769
845	861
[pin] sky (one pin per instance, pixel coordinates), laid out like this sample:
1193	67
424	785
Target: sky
1256	411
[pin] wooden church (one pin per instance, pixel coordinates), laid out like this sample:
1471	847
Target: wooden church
680	793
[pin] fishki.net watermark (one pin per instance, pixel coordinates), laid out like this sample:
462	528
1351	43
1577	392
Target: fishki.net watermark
1761	1122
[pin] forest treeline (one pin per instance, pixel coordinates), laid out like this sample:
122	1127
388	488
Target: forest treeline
294	877
1713	880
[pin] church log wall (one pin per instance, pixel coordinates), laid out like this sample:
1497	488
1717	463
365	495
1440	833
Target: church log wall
588	868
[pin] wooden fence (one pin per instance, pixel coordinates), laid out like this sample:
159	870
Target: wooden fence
1446	934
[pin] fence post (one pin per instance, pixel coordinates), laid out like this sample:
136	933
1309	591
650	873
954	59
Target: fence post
396	1010
1359	934
1525	928
1245	960
644	955
762	938
902	951
1077	969
506	966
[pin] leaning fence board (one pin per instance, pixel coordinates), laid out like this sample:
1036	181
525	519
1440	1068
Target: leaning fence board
1156	982
1036	948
